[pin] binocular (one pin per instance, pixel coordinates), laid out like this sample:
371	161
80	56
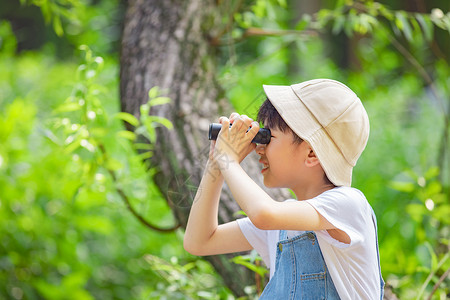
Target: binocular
262	137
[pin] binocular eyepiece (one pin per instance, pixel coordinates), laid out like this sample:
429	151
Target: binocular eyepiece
262	137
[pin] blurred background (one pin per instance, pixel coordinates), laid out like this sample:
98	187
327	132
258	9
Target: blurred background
85	215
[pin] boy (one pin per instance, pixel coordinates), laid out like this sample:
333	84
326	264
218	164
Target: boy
322	245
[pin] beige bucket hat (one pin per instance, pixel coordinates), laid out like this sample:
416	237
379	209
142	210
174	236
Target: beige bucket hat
330	117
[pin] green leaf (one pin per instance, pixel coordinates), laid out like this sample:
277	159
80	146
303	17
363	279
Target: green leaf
416	211
72	146
441	213
57	26
282	3
153	92
145	110
260	8
143	146
46	11
145	155
113	164
150	132
244	261
364	24
162	121
141	130
426	25
433	188
350	24
127	117
239	213
159	101
127	135
402	23
67	107
446	21
406	187
434	259
431	173
338	24
303	23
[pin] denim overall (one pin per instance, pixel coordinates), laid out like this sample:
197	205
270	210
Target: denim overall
301	272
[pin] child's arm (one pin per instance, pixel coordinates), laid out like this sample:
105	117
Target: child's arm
263	211
203	235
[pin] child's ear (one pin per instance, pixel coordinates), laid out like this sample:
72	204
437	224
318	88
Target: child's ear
312	159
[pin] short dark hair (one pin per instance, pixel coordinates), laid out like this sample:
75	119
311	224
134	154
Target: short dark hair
269	116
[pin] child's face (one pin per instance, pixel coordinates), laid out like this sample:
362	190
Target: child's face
282	160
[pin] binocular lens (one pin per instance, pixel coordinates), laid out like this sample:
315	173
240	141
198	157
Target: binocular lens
262	137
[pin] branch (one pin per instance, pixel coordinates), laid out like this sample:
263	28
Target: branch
255	31
127	202
427	78
414	62
436	286
258	279
215	41
431	275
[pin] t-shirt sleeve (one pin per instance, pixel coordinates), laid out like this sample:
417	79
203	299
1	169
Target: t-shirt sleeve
346	209
256	237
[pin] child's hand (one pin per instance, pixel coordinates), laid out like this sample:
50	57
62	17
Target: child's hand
234	143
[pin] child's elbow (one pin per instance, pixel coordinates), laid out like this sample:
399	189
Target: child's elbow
187	245
261	219
192	248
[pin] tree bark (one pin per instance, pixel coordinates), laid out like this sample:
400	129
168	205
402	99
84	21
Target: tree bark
167	44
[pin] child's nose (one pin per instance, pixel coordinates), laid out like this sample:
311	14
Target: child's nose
260	149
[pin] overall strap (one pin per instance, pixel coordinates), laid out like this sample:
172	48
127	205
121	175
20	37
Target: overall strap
283	235
378	254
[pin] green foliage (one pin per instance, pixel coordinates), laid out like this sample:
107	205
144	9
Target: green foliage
251	261
8	42
55	11
363	18
190	281
66	232
429	209
254	262
67	23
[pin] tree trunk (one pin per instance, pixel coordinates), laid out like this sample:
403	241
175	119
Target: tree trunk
167	44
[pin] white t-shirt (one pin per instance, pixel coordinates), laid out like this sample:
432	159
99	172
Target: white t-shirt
353	267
